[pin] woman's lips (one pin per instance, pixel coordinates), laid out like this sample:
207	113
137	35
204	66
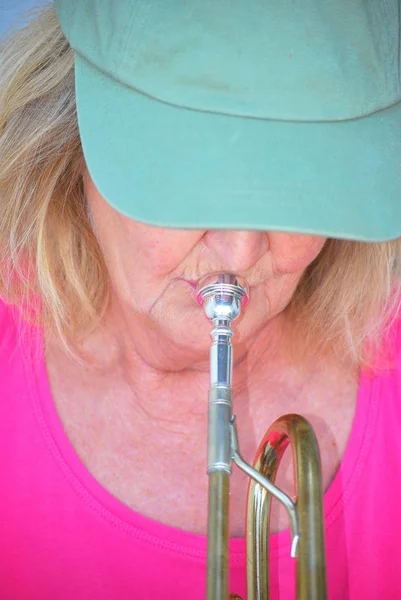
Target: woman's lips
194	283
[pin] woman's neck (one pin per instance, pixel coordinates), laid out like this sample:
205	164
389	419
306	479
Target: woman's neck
119	412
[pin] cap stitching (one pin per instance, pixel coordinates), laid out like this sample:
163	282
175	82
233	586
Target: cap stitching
139	39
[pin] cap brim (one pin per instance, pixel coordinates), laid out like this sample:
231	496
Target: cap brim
176	167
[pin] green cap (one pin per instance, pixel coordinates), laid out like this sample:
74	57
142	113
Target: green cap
243	114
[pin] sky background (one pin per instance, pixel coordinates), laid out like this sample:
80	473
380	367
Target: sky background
10	9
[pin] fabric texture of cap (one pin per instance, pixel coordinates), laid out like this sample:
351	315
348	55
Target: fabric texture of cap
243	114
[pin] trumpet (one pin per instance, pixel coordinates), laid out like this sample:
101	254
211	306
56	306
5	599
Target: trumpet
222	297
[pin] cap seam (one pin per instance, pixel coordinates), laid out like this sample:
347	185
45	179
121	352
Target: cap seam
133	15
234	115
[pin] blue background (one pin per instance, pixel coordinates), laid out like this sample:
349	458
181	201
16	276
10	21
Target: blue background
10	9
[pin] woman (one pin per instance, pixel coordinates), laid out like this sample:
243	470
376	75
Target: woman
250	138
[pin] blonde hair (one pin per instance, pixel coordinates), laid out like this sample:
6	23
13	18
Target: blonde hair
51	263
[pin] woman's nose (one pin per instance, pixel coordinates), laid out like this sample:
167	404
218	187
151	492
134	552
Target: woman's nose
237	250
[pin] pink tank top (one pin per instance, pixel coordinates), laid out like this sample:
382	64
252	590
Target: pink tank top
64	537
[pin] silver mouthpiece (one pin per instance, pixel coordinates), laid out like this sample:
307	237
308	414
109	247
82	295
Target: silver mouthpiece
222	295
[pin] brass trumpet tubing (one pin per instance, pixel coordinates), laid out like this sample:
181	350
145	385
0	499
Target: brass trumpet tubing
311	563
219	464
219	470
266	462
221	295
218	536
311	568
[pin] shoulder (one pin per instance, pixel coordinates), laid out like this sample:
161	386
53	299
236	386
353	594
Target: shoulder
385	355
16	332
9	317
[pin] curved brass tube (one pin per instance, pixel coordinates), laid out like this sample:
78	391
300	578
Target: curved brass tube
310	551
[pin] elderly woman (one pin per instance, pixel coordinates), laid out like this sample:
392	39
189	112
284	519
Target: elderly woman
143	147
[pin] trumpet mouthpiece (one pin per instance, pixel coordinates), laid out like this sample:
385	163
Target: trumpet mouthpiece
222	295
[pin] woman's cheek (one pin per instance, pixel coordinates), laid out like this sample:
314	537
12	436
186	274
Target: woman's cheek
280	290
163	251
293	253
